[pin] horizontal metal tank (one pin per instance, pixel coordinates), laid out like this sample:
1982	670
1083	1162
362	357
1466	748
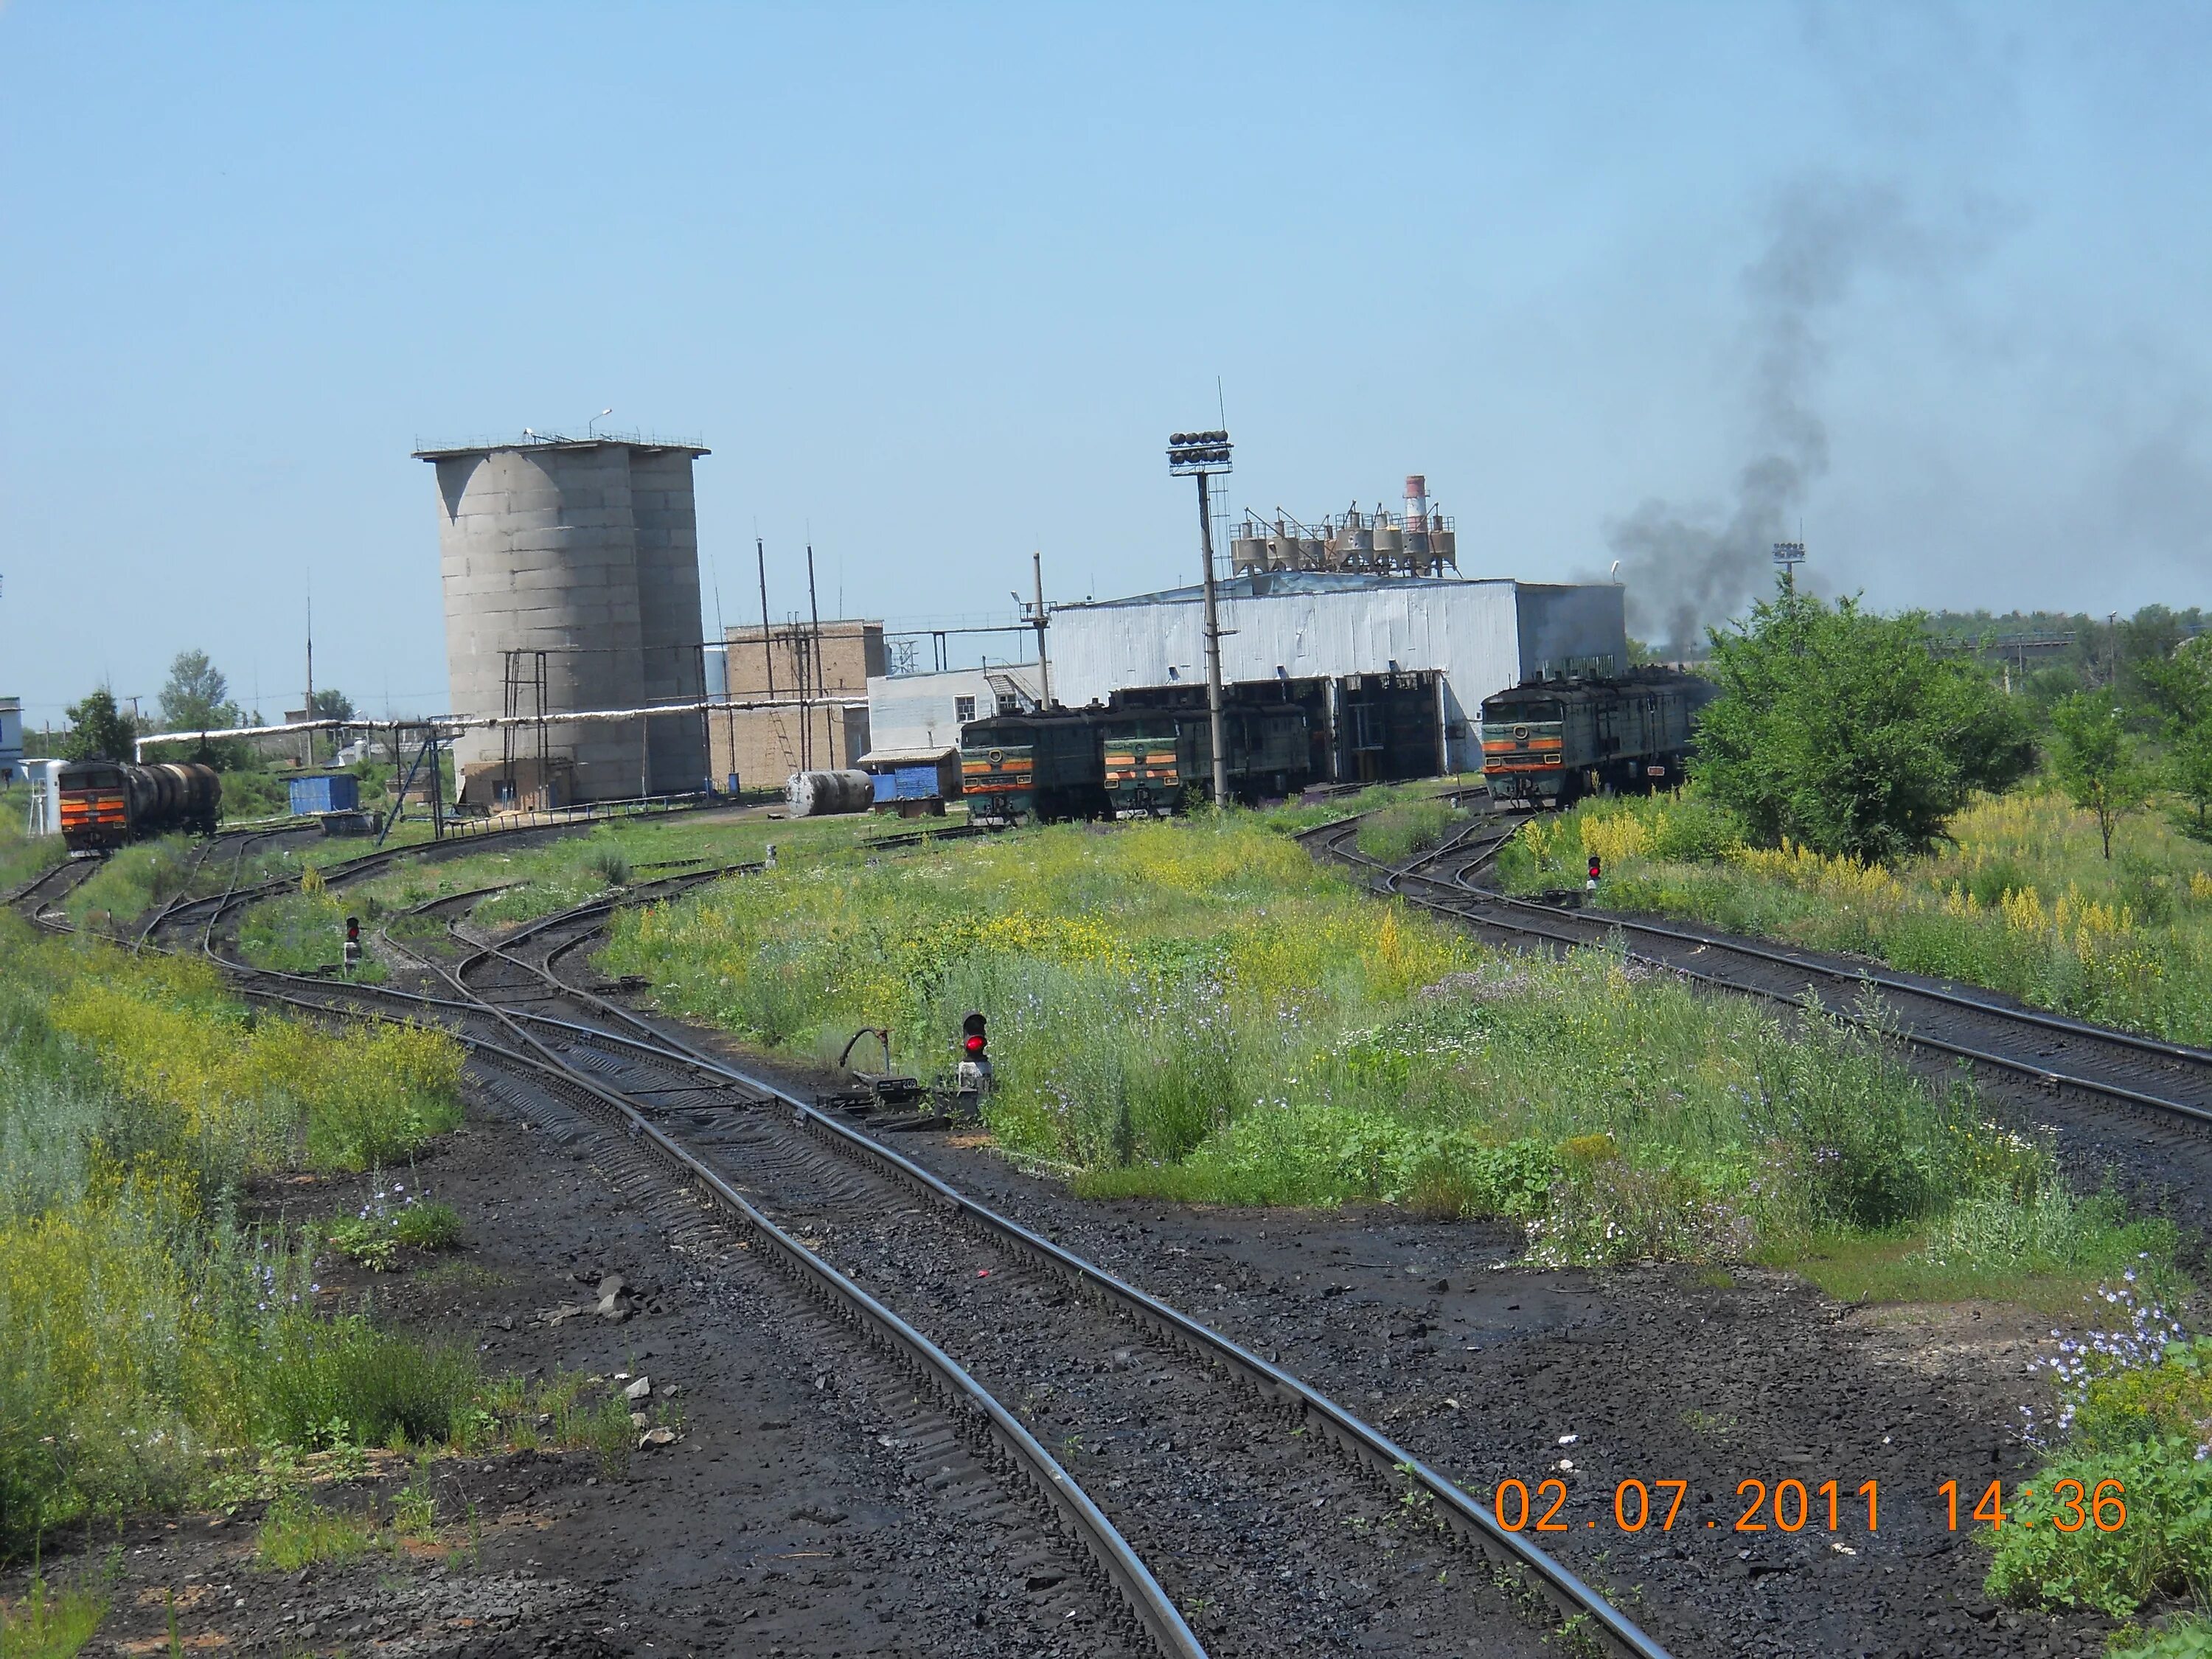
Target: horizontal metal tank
828	795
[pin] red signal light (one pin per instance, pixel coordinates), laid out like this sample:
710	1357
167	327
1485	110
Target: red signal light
353	930
1593	875
972	1036
974	1045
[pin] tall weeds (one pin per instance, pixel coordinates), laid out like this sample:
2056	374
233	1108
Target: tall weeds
139	1330
1197	1010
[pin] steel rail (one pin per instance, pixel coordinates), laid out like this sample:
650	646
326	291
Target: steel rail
1468	1519
2163	1048
1148	1604
1132	1581
1473	901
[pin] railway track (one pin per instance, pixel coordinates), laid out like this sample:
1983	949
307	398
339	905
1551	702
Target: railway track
1200	1457
35	898
2049	1052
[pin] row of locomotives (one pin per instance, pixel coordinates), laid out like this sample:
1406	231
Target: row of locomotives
1041	768
1551	742
105	804
1127	760
1157	760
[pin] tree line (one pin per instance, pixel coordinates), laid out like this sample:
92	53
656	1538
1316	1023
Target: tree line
1859	735
196	697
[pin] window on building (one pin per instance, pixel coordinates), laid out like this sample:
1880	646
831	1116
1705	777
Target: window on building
963	709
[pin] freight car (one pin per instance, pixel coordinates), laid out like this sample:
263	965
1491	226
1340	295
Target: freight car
1155	758
105	804
1549	743
1041	767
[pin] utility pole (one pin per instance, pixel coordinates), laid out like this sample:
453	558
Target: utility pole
1044	668
767	649
1200	455
309	711
814	653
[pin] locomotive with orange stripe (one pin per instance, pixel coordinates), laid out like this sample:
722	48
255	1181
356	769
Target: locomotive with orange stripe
1551	742
107	803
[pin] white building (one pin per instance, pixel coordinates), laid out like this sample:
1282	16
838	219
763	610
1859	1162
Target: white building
914	720
1393	669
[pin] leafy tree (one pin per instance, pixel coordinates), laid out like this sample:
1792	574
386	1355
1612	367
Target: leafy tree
2095	760
197	697
2189	768
1846	732
332	704
99	730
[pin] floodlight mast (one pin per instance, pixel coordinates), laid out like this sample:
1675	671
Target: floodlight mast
1788	555
1200	455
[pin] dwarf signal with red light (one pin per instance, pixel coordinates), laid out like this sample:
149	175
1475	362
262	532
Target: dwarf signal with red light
1593	872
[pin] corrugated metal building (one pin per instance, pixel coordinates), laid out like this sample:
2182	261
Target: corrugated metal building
1393	669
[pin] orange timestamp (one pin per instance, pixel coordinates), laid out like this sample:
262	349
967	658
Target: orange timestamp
1791	1505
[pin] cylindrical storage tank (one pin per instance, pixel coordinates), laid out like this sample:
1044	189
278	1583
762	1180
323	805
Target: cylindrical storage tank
1247	553
1312	553
1353	548
828	795
1444	545
667	520
538	551
1389	543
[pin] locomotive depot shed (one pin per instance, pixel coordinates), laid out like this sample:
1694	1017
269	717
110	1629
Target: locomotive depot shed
1393	669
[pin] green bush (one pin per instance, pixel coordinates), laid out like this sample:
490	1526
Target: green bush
342	1381
2164	1548
2187	1636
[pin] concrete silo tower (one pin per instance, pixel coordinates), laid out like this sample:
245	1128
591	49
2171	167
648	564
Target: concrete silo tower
571	576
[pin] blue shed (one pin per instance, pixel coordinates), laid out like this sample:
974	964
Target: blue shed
339	791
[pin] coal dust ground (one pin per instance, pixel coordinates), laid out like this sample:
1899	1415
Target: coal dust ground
790	1517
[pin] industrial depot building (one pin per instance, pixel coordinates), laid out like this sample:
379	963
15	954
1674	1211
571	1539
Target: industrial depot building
571	576
1392	670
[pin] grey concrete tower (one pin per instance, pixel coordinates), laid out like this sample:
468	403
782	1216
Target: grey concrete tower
588	551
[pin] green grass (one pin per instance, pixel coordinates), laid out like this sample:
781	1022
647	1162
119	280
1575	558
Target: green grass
1197	1011
577	869
1289	820
298	1532
392	1221
49	1624
2184	1636
23	855
2023	901
1395	832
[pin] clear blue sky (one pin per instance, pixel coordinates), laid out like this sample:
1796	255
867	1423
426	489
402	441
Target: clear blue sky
934	283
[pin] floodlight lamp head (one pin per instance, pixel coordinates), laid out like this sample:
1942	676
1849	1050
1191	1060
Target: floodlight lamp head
1198	452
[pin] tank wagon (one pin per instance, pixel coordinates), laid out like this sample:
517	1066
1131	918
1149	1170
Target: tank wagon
106	803
1549	743
1126	760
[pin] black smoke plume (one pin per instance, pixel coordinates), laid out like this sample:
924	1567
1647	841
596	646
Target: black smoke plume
1687	568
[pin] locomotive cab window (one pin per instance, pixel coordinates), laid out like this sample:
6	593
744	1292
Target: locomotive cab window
1507	713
